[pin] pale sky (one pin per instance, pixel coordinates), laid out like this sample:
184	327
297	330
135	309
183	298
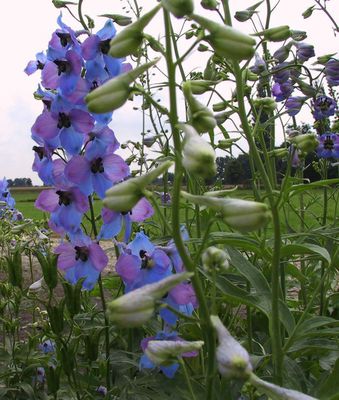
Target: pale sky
26	28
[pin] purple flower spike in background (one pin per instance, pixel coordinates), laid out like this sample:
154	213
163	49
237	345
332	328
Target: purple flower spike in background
328	145
81	259
324	107
332	72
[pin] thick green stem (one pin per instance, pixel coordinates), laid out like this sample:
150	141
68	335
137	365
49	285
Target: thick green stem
187	261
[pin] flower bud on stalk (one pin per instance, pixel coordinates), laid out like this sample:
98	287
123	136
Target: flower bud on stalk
129	40
233	359
114	93
198	155
215	259
226	143
305	143
200	86
125	195
167	352
200	116
266	104
278	34
242	215
137	307
209	4
179	8
226	41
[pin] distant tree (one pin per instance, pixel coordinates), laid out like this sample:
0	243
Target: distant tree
20	182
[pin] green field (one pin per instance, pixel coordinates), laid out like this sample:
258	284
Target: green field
290	215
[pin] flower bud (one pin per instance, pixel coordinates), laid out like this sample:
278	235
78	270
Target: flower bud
200	86
37	285
167	352
233	359
128	40
276	392
248	75
279	153
223	116
305	143
215	259
244	15
242	215
220	106
298	35
305	88
137	307
198	155
125	195
121	20
278	34
226	41
179	8
115	92
308	12
209	4
226	143
324	59
265	104
283	52
210	71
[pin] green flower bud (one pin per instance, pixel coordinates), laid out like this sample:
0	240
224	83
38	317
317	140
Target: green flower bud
220	106
279	153
198	155
202	47
324	59
179	8
305	143
265	104
232	358
200	86
215	259
115	92
226	41
308	12
210	72
121	20
209	4
62	4
226	143
305	88
167	352
244	15
248	75
276	392
129	40
298	35
242	215
222	117
278	34
124	196
137	307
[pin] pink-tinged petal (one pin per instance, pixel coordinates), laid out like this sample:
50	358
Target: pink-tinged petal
78	94
128	267
78	170
66	257
98	257
81	120
58	173
108	215
47	200
45	126
80	200
125	67
115	168
56	228
76	61
49	76
183	294
142	210
90	46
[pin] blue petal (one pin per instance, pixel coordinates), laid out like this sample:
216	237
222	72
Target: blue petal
108	31
141	242
108	231
170	371
71	140
145	362
101	184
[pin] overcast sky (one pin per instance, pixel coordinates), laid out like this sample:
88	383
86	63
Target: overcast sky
25	29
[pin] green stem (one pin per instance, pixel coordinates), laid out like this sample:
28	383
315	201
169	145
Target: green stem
187	261
188	380
81	18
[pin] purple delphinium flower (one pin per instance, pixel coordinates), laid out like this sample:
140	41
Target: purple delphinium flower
324	107
102	390
5	194
328	145
113	221
259	65
66	207
43	164
48	346
82	258
293	104
304	51
332	72
165	198
36	64
281	72
281	91
96	172
169	371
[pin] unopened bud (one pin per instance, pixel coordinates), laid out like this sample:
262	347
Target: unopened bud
129	40
232	358
122	197
278	34
215	259
121	20
37	285
308	12
200	86
242	215
209	4
226	143
137	307
114	93
179	8
305	143
167	352
244	15
226	41
223	116
298	35
325	58
265	104
279	153
198	155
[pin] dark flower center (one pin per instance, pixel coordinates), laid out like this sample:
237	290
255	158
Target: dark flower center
146	260
47	103
65	38
81	253
65	198
97	166
63	66
40	65
324	103
328	143
104	46
5	194
94	85
40	151
64	121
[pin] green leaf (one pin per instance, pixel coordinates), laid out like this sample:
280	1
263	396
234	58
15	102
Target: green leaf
236	240
314	344
306	248
295	189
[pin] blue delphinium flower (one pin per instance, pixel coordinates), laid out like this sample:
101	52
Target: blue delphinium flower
332	72
304	51
324	107
328	145
293	105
